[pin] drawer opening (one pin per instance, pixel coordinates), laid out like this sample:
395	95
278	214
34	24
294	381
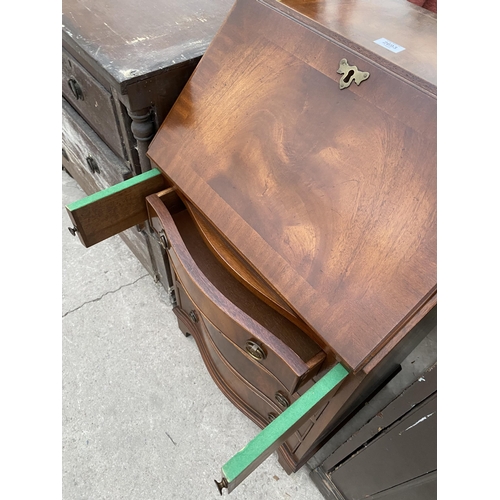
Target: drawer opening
239	295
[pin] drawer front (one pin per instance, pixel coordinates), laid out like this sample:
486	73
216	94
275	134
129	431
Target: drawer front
255	375
275	360
99	166
252	371
92	101
243	395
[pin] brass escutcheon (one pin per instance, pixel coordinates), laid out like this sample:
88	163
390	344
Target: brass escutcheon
349	74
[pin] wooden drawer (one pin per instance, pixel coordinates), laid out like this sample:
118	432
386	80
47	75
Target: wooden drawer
99	166
250	399
252	370
286	352
92	101
254	373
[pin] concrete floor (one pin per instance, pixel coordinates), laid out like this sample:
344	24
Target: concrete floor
142	419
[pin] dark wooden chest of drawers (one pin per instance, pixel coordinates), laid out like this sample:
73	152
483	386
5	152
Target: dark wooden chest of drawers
123	66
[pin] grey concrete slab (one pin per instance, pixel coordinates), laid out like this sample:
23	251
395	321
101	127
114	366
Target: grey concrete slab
90	273
142	418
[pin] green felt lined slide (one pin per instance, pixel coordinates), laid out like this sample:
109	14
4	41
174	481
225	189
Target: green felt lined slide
273	436
121	186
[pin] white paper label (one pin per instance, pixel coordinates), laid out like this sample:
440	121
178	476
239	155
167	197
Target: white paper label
393	47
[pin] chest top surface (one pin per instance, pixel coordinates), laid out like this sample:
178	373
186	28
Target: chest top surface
406	34
329	194
132	38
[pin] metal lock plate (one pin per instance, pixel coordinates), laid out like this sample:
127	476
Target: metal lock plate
350	74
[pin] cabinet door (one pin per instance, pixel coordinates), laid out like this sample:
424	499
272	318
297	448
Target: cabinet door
399	461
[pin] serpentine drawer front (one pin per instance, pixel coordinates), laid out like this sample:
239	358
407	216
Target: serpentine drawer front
249	395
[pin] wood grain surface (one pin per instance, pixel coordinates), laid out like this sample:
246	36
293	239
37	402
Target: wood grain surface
235	264
330	194
360	23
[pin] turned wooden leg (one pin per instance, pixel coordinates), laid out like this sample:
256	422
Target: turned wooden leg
143	130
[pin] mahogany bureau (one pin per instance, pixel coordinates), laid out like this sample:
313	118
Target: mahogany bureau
123	66
297	203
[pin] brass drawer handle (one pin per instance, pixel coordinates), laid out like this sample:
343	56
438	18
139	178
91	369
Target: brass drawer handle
193	316
271	417
255	350
76	89
282	399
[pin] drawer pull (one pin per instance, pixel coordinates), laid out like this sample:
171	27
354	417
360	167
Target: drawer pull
271	416
282	399
162	238
193	316
75	89
255	350
94	168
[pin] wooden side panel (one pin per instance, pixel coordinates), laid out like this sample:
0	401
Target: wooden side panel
413	396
